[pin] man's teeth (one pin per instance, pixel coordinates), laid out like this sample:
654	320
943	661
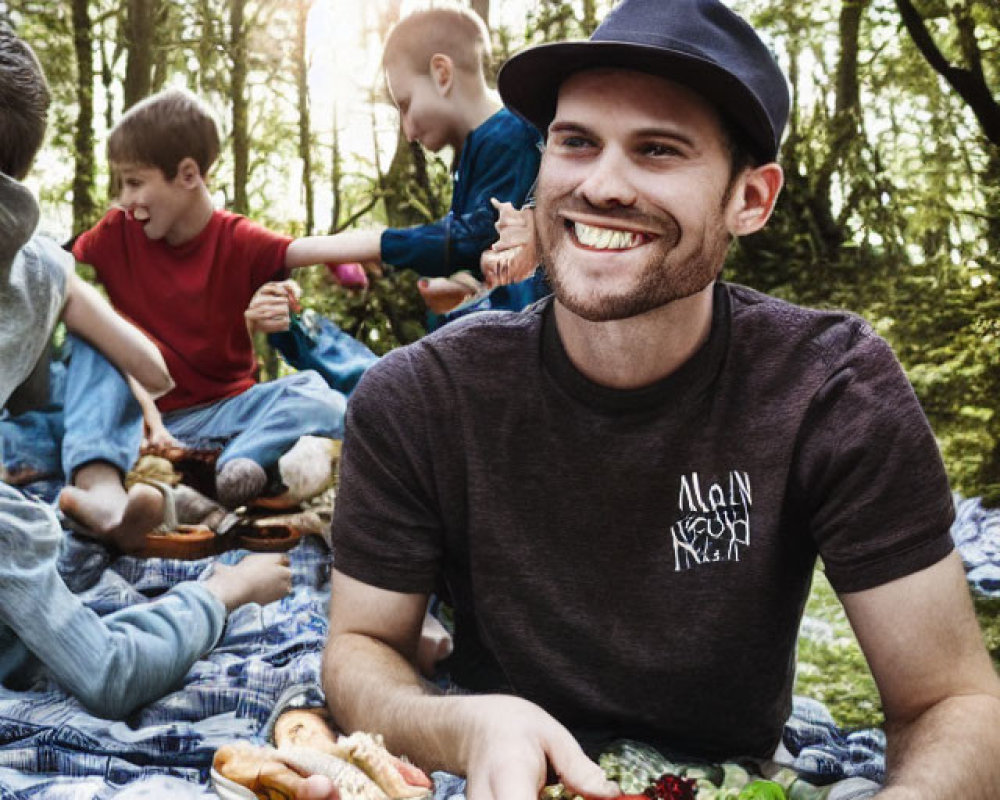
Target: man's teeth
606	238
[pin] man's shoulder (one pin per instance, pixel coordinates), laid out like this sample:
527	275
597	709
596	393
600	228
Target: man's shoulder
486	340
826	334
485	332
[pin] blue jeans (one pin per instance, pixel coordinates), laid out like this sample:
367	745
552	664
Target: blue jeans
30	442
92	415
111	664
103	420
265	421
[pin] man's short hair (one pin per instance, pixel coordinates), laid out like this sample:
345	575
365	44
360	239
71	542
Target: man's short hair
454	31
163	130
24	104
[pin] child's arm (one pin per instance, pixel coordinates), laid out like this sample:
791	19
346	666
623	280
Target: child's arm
512	257
347	246
157	434
91	317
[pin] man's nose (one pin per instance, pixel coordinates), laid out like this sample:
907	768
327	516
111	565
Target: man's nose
607	182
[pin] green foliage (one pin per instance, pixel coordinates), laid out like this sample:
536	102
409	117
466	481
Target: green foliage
389	313
832	668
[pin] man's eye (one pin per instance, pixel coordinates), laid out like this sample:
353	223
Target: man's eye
658	150
574	142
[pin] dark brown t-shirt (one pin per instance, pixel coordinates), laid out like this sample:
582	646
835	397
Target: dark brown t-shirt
636	562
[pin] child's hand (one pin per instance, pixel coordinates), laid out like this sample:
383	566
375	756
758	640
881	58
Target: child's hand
271	308
159	438
512	257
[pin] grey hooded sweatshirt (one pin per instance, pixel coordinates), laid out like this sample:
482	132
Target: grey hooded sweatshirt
34	273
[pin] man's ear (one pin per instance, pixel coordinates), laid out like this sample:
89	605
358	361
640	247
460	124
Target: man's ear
754	194
442	72
188	172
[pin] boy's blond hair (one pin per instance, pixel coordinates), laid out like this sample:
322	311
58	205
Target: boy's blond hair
24	104
454	31
163	130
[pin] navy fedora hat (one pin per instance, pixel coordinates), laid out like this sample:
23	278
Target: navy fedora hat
698	43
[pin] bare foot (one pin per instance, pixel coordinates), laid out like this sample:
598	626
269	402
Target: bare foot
258	578
435	644
99	502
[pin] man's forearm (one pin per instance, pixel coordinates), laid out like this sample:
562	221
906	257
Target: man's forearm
951	750
369	686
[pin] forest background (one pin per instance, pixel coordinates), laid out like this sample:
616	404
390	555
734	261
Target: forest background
892	160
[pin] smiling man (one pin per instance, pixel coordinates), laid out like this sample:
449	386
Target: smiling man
626	514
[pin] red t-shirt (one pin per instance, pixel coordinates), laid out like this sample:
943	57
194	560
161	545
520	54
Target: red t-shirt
190	299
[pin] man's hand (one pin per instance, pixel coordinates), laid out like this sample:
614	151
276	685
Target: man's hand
271	307
512	745
512	257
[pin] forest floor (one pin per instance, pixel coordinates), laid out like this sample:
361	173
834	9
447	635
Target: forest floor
832	669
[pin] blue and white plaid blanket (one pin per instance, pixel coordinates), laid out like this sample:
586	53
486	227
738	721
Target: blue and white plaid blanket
269	658
976	532
51	747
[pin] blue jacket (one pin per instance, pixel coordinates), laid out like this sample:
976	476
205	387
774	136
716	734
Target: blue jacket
499	159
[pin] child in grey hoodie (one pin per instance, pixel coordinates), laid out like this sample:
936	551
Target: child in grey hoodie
125	659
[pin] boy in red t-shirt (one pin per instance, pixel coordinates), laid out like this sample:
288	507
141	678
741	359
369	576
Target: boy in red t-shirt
185	273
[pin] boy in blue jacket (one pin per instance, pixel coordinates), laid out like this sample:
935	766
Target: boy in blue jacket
433	64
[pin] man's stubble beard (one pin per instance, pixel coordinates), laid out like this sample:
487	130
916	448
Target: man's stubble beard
663	279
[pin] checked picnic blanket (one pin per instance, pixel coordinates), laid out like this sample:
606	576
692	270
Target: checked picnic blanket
270	658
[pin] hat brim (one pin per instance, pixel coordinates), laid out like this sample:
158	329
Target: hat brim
529	82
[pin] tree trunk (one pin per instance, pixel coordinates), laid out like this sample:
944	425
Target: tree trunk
335	170
589	19
305	134
84	170
844	124
238	84
140	37
165	21
970	83
107	77
482	8
205	43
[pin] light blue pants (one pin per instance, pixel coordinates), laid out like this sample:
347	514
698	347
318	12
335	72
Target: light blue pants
265	421
111	664
30	442
92	415
103	420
